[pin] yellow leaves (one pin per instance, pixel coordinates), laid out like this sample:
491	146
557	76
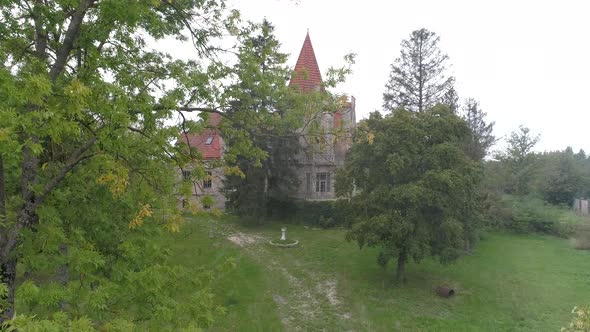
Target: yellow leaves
234	170
117	183
77	95
216	212
77	88
144	212
4	134
192	207
370	137
341	101
174	223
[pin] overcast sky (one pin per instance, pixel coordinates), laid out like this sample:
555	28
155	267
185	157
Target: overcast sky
527	62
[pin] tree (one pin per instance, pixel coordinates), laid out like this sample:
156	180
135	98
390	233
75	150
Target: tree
259	100
521	144
519	159
280	119
410	186
87	154
451	99
562	177
482	137
418	79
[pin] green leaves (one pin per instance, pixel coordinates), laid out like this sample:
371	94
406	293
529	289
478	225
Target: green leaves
3	296
101	84
35	89
412	187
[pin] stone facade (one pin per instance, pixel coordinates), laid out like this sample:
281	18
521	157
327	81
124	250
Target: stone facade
211	185
317	167
210	145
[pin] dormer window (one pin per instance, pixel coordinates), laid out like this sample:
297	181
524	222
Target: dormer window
209	140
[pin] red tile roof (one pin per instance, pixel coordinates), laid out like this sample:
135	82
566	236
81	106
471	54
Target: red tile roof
307	72
199	140
214	119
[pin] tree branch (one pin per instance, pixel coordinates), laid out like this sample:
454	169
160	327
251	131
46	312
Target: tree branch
71	34
74	160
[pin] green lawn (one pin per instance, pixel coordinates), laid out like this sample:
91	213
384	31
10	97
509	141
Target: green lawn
511	282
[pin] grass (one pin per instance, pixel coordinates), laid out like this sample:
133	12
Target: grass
241	290
511	282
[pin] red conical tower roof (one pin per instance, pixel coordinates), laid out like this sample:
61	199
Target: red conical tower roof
307	72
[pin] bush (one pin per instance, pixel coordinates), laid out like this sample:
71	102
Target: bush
317	213
531	214
324	214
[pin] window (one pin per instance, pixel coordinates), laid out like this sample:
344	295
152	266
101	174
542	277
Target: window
322	183
186	174
209	140
308	182
207	180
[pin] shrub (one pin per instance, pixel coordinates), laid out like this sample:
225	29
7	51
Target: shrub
530	214
326	222
324	214
496	213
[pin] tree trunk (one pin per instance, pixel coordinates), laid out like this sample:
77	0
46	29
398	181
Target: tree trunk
62	273
7	263
7	269
8	277
467	246
265	194
26	218
2	192
401	267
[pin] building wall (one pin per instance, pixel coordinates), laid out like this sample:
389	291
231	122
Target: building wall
316	170
200	189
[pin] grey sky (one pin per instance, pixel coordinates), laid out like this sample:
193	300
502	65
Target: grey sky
527	62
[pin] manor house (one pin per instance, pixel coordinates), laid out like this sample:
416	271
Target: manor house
316	167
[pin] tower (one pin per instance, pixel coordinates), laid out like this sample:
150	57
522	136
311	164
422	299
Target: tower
316	169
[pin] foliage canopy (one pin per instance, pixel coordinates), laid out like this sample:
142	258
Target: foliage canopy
411	186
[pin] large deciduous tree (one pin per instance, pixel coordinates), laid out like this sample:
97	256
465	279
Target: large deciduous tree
411	186
418	78
84	106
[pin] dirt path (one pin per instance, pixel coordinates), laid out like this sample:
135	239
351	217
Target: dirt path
309	301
